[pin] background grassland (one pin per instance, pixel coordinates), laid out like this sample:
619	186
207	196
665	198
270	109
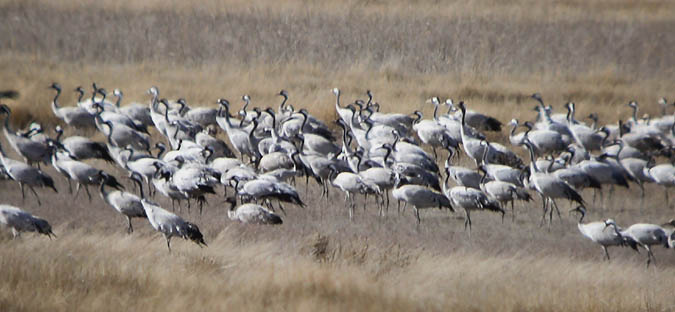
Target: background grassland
492	54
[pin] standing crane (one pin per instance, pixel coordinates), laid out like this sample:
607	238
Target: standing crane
170	224
75	116
599	234
26	175
31	151
645	235
125	203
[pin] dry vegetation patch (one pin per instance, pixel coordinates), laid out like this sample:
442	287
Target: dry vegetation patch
492	54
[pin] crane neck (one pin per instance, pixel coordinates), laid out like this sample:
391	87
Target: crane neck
55	102
533	162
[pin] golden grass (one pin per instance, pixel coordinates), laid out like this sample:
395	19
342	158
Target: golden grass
310	87
492	54
550	10
88	271
320	260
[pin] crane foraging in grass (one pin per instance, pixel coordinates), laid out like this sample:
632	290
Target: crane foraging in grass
170	224
600	234
251	213
645	235
22	221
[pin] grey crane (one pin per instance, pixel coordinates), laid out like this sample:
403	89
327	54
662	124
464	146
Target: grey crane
251	213
645	235
21	221
26	175
73	116
171	225
31	151
598	233
125	203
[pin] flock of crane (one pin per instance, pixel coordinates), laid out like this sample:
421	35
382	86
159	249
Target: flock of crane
380	153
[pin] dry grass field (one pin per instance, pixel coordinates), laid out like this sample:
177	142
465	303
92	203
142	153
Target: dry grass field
492	54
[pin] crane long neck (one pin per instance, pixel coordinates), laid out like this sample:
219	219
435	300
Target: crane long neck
304	122
154	103
166	111
8	131
337	101
483	178
435	111
110	130
2	156
119	100
445	182
386	156
513	130
104	192
55	102
282	106
485	153
533	162
140	187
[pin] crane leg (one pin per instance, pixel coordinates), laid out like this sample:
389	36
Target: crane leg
23	195
417	215
556	210
544	201
665	191
77	190
350	200
131	228
606	253
642	196
168	243
86	189
36	195
467	221
70	186
650	256
513	212
282	209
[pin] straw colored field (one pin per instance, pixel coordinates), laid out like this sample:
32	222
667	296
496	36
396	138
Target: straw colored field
492	54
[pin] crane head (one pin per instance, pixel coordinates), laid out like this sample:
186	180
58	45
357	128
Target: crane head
56	86
538	98
580	209
43	227
336	91
192	232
